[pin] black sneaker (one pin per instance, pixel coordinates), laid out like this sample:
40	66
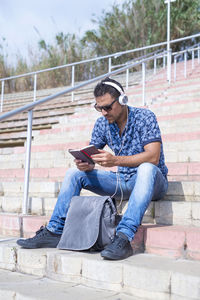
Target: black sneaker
43	239
120	248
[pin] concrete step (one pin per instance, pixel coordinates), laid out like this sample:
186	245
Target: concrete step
15	285
176	125
181	206
20	225
192	106
183	169
161	95
36	188
58	159
182	156
171	279
155	85
165	212
57	172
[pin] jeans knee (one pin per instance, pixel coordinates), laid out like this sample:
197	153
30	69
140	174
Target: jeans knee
72	172
146	169
72	175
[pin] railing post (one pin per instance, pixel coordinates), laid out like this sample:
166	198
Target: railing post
164	62
185	64
127	78
109	64
27	165
155	65
2	94
73	76
199	55
143	82
35	87
169	61
175	68
192	59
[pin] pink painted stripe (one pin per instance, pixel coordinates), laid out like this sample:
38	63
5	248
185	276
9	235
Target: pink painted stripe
181	137
183	177
173	241
183	169
194	90
179	116
167	103
178	169
66	146
67	129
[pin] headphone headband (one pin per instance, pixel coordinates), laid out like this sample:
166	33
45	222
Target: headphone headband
117	87
123	99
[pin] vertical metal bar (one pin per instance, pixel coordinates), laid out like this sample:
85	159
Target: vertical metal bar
2	94
27	165
155	66
175	68
127	78
185	64
163	61
192	59
199	55
143	83
35	88
109	64
169	69
73	76
168	43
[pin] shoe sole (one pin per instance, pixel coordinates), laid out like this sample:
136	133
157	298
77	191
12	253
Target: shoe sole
110	256
34	247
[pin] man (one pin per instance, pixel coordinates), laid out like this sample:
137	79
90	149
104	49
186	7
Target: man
134	136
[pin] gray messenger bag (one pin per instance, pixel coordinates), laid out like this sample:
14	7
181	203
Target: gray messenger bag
90	223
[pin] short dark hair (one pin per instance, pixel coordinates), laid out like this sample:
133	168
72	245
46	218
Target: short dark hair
101	88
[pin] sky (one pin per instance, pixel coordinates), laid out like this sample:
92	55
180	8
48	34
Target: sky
24	22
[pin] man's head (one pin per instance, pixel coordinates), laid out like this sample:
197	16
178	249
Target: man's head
109	94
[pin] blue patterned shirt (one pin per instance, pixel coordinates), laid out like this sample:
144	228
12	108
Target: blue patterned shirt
141	129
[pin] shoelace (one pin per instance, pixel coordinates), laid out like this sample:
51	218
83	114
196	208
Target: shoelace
118	242
41	230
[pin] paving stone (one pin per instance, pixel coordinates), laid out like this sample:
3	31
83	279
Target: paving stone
8	254
64	266
22	287
109	275
186	286
32	262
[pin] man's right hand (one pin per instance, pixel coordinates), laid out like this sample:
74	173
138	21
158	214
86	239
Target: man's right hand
83	166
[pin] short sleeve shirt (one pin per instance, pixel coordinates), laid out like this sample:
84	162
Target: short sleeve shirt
141	129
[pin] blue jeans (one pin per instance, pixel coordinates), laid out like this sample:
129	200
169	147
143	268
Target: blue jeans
146	185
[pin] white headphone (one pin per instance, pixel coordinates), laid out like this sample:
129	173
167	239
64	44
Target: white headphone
123	99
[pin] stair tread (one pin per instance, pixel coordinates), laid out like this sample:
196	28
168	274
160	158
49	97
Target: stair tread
15	284
168	275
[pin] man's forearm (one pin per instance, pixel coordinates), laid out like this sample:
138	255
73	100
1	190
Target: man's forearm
135	160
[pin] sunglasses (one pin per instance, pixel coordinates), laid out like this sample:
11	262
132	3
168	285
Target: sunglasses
105	107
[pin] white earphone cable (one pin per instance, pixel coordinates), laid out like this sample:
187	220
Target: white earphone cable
117	173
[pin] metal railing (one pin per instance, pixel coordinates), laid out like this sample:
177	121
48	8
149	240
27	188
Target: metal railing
29	108
138	59
183	54
73	65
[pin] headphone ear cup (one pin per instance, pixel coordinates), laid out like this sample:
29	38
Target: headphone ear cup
123	99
